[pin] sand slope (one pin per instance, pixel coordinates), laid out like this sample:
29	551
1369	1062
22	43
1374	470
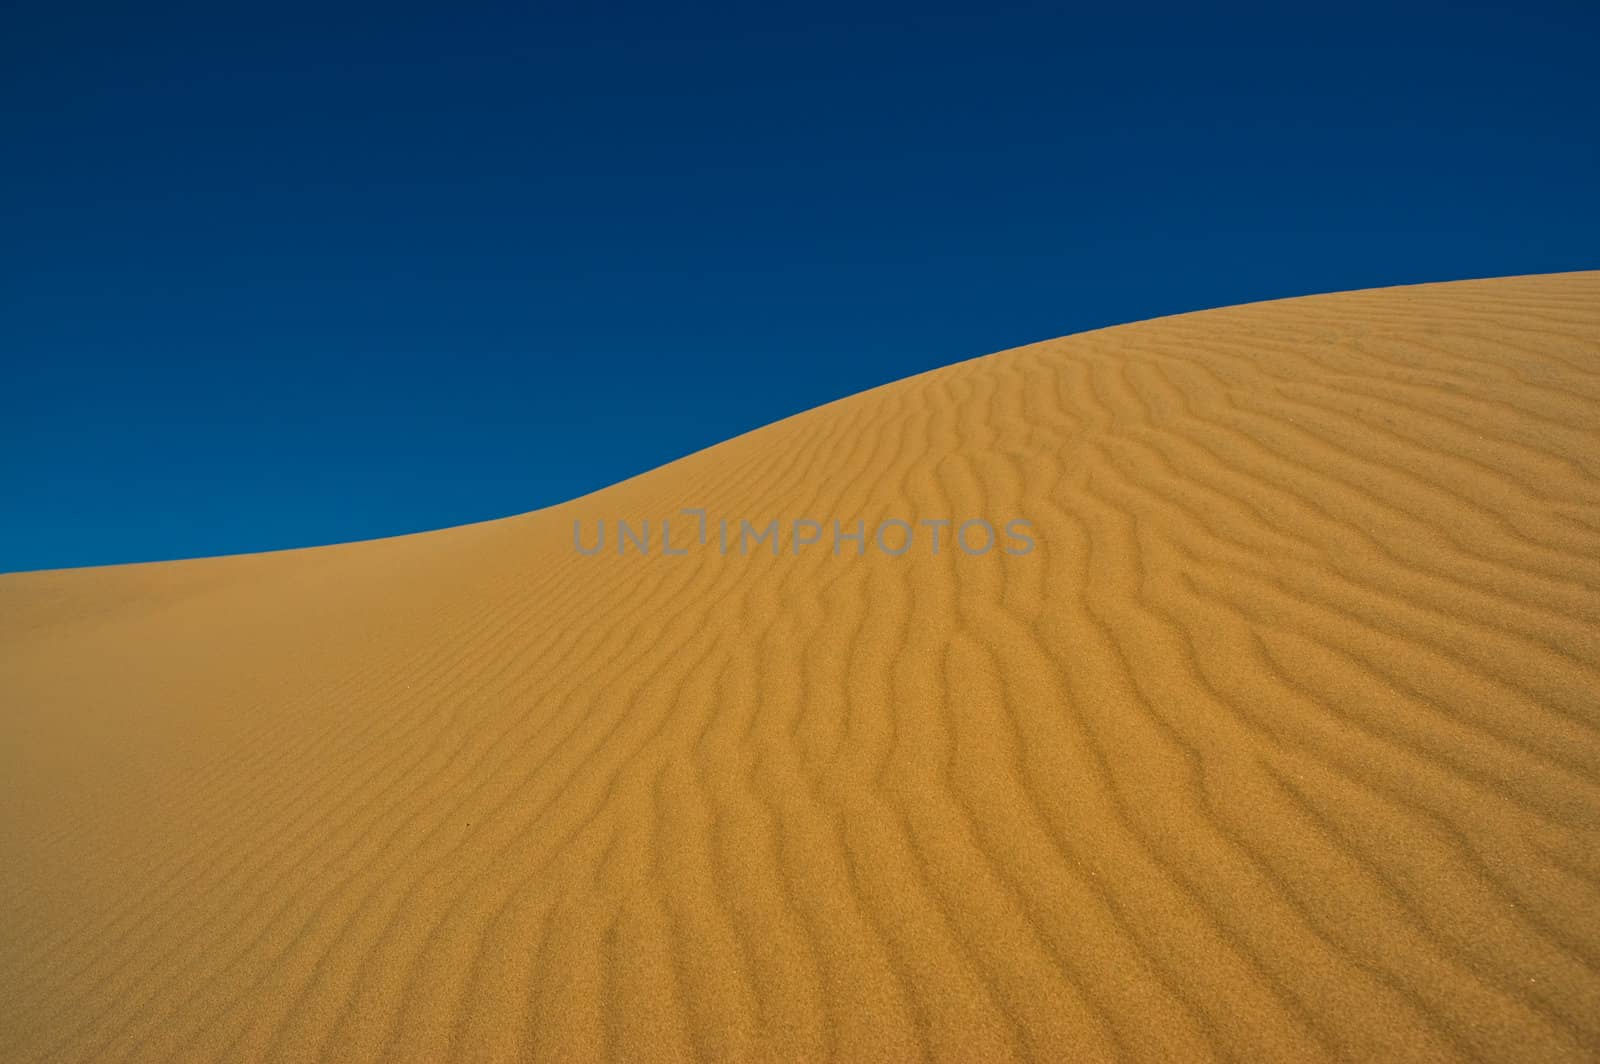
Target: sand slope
1283	744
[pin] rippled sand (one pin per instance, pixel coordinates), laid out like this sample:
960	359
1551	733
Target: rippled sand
1282	744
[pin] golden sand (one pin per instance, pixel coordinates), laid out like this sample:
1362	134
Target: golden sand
1283	744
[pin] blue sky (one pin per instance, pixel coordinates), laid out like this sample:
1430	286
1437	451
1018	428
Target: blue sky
279	276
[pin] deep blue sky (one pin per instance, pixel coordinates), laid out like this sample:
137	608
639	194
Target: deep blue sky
275	276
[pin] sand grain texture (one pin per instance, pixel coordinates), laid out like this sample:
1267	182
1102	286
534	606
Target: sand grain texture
1284	744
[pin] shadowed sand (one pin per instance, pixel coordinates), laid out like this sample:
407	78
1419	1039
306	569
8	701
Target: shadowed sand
1283	744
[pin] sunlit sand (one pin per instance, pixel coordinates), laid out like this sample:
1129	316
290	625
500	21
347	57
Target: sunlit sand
1283	743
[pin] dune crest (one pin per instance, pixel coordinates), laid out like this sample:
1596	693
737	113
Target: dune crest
1282	743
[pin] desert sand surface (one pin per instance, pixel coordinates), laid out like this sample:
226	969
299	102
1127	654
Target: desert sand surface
1282	744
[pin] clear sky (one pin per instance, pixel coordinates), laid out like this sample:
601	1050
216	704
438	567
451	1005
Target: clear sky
276	275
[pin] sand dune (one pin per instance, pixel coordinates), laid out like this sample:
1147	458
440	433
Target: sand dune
1283	743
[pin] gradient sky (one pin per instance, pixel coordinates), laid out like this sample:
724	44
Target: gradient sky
277	276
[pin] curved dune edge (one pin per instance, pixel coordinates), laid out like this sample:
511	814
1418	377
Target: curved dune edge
1283	744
